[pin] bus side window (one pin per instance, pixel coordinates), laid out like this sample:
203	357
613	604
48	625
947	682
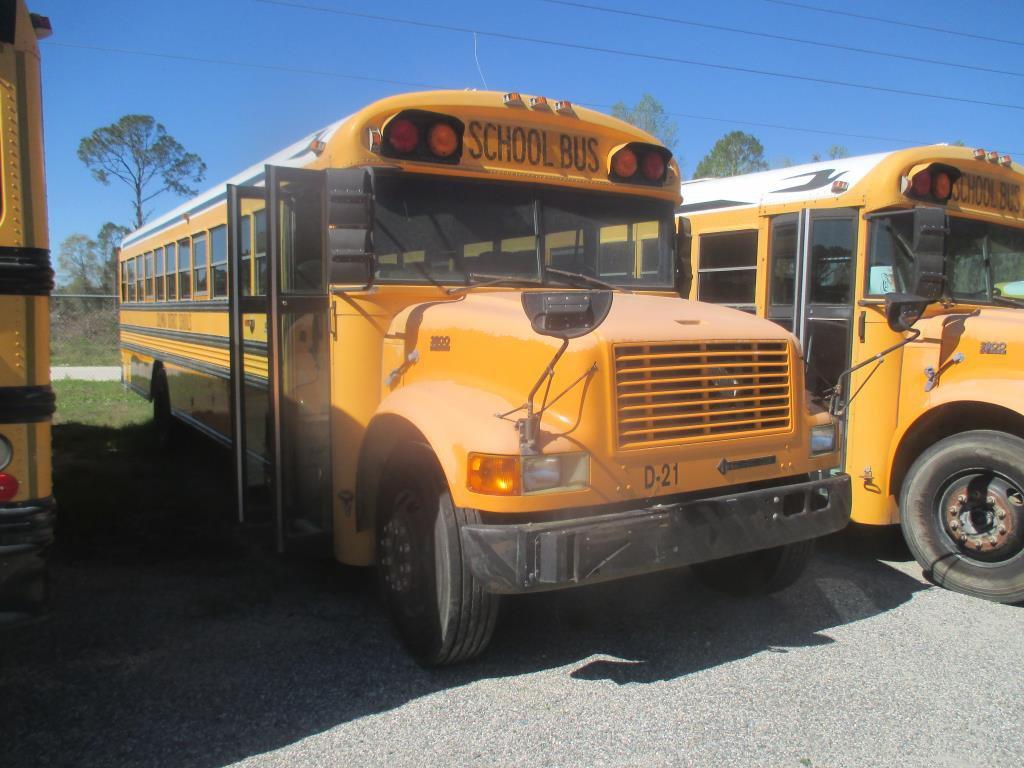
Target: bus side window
147	279
782	270
185	269
199	263
171	250
245	251
727	270
158	257
219	261
130	295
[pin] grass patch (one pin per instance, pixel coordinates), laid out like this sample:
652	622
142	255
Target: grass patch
99	404
81	350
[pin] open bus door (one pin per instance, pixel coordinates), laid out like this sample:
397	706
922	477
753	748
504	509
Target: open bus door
281	400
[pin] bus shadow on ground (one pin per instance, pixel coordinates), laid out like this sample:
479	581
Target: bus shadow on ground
174	640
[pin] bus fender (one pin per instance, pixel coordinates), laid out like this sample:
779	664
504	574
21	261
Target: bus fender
953	408
452	419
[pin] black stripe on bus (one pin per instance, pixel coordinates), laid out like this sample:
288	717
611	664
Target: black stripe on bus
25	271
205	339
176	306
189	364
24	405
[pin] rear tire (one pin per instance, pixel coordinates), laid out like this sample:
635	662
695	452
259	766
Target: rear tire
962	514
757	573
441	611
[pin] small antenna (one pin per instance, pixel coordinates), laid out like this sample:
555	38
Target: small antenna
476	57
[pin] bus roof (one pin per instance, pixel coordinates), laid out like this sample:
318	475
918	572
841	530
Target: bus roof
797	183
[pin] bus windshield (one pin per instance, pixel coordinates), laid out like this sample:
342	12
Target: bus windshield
982	259
430	228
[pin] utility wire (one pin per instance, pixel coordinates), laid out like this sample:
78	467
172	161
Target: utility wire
894	22
438	86
784	38
638	55
249	64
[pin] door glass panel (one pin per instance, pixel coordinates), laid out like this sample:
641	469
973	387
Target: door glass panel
259	221
831	278
302	240
783	261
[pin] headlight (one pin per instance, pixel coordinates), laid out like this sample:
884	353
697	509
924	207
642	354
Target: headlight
519	475
559	471
6	452
823	439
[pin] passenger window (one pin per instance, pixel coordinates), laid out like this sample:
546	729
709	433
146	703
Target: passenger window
727	268
185	268
149	275
158	260
199	263
130	294
171	252
783	261
219	261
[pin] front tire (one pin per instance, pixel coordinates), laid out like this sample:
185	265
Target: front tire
962	514
442	612
757	573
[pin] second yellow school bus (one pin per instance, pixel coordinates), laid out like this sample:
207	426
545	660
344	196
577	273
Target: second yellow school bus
454	348
846	254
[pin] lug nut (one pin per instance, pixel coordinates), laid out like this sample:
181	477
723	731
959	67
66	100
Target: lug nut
990	500
961	498
954	524
1001	514
963	537
1002	530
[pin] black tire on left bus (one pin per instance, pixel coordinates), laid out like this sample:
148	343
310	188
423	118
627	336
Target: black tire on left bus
757	573
962	514
442	612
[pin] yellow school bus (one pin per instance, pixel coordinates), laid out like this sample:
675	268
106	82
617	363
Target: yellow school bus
26	400
902	274
443	337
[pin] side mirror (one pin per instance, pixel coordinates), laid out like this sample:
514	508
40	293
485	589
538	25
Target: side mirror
350	258
902	310
684	255
929	248
566	315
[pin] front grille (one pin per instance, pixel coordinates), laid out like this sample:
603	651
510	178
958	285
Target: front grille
675	393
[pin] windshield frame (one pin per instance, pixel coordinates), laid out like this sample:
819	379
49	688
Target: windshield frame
542	198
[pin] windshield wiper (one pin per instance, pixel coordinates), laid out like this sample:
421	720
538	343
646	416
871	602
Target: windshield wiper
579	277
479	280
1007	301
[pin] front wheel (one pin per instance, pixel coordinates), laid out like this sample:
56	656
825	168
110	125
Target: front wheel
962	513
757	573
441	611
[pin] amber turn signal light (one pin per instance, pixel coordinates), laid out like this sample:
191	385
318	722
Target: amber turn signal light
442	140
494	475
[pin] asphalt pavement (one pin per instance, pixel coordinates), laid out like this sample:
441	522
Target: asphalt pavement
207	658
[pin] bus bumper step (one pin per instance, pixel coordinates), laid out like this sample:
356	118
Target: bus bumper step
534	557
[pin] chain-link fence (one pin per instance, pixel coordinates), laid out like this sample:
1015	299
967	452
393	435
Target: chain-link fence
83	329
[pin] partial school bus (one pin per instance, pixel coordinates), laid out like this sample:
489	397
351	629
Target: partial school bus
443	336
902	274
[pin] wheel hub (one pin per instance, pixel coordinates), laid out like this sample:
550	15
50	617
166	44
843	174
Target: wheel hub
981	514
396	552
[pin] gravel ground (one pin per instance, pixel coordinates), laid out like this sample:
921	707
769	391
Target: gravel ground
203	659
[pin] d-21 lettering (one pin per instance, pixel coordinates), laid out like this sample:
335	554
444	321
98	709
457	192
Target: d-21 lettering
532	146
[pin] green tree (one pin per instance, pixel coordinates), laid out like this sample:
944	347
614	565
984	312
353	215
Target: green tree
736	152
835	152
88	265
81	270
648	115
139	151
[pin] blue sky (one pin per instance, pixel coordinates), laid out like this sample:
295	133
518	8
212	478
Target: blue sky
233	116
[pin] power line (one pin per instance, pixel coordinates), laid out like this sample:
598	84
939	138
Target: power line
248	64
894	22
784	38
638	55
437	86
